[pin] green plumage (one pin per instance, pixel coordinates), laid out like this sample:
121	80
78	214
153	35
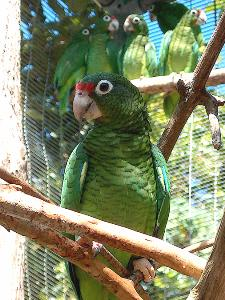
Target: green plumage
71	67
180	51
99	59
115	174
138	56
90	51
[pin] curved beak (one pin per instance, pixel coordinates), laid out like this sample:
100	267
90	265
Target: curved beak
202	18
114	24
84	107
128	26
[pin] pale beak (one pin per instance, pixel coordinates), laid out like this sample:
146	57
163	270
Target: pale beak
127	26
202	18
114	25
84	107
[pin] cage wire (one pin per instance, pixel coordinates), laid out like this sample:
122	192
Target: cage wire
197	170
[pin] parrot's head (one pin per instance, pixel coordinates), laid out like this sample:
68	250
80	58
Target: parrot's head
135	24
106	23
108	99
196	17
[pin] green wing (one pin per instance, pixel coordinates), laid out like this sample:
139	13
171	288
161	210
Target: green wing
164	50
151	59
74	178
162	191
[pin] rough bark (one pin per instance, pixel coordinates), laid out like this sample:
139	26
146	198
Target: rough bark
73	252
35	211
12	151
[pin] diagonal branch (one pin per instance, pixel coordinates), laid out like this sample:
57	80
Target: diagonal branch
34	210
193	92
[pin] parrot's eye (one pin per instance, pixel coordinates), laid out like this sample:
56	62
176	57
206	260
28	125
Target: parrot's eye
106	18
136	20
103	87
151	7
85	32
194	12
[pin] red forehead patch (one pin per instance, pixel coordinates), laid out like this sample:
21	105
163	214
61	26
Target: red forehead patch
82	86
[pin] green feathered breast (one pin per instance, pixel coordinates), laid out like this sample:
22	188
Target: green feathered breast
180	51
116	175
138	57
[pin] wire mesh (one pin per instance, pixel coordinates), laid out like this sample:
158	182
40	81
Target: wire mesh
197	170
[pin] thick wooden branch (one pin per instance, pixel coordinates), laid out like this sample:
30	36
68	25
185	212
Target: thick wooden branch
20	205
193	93
165	84
73	252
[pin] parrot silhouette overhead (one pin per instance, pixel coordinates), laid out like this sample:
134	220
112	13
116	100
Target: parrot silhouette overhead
180	50
168	14
115	174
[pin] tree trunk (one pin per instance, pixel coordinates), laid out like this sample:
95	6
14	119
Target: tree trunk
12	150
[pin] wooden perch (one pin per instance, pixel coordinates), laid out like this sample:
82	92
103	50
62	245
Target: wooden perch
73	252
165	84
24	186
35	211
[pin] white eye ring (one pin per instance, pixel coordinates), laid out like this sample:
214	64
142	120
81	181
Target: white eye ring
106	18
103	87
194	12
85	31
136	20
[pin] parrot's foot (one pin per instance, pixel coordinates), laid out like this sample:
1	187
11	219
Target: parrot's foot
96	248
145	267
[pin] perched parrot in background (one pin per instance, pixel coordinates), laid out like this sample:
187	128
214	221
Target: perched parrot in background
180	51
168	14
100	55
86	54
71	67
138	56
115	174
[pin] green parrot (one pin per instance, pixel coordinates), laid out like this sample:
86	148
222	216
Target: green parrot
138	57
101	55
79	58
168	14
180	51
115	174
71	67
